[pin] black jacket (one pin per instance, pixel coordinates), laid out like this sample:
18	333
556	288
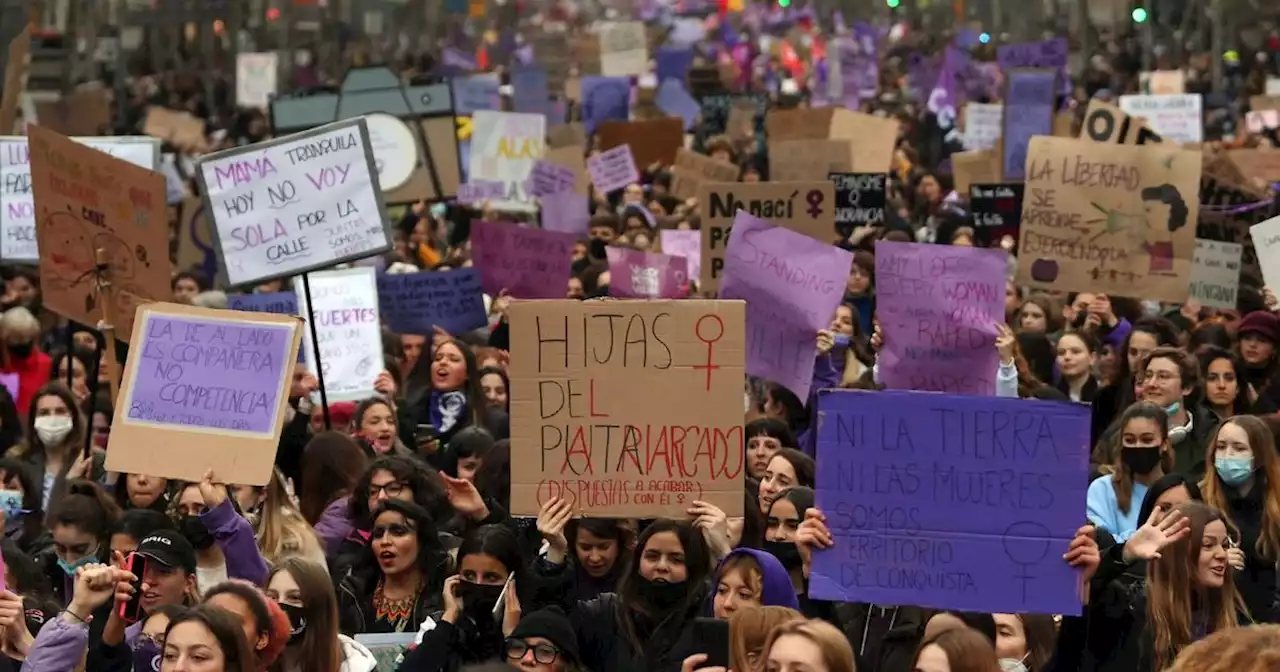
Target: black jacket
448	647
355	603
1257	582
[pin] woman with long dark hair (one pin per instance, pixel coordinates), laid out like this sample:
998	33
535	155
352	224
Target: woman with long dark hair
305	592
54	445
442	396
1226	393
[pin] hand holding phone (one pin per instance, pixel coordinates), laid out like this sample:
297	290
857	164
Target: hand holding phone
711	637
131	610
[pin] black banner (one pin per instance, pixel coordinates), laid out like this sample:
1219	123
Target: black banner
996	210
859	200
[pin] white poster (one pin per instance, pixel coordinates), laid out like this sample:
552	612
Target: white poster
1266	241
1215	273
1176	117
624	49
17	208
304	202
1273	86
345	306
504	148
256	78
983	125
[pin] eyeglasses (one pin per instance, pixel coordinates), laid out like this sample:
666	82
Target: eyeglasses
393	489
542	653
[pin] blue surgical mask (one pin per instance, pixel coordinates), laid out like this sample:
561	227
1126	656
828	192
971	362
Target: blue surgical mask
1233	470
71	567
1173	408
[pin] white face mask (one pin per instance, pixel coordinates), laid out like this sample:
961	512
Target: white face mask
52	429
1013	665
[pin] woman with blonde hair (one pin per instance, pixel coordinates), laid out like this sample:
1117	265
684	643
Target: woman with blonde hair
1245	485
809	645
1253	649
281	530
749	631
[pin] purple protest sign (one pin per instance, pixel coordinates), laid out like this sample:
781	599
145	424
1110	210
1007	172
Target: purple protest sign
604	99
687	244
10	382
1052	54
480	191
215	374
950	502
1028	111
547	178
613	168
528	263
476	92
566	212
938	307
675	100
646	275
792	285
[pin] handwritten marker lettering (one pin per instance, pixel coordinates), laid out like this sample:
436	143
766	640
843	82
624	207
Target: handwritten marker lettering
711	344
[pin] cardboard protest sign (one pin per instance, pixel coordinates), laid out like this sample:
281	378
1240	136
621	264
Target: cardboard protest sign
181	129
256	76
577	371
636	274
1030	100
87	200
613	169
871	139
792	285
1177	118
692	169
17	207
504	147
1215	273
1107	123
807	160
572	134
940	307
624	49
571	158
1163	81
803	207
923	519
413	303
654	141
1114	219
15	69
295	204
802	123
345	306
211	387
687	244
975	168
860	199
528	263
983	125
1264	164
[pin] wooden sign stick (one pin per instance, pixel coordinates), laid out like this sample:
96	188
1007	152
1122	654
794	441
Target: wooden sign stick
103	281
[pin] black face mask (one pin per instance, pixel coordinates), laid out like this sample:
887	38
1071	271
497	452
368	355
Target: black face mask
478	600
297	622
21	350
1140	460
662	594
786	553
196	532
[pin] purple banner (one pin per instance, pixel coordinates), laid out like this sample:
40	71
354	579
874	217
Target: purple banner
646	275
613	169
1051	54
529	91
547	178
566	212
480	191
1028	111
687	244
950	502
792	285
528	263
938	307
605	99
476	92
234	383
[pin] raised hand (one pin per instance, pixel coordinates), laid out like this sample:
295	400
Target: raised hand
1160	530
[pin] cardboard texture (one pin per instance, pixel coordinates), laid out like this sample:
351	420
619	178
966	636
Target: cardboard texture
196	248
78	113
180	129
655	141
14	72
627	408
211	387
691	169
871	138
803	207
1109	218
572	134
1262	163
87	200
807	160
1104	122
969	168
574	159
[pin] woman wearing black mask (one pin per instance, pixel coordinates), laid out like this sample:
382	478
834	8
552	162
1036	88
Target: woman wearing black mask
784	518
468	631
225	545
304	591
1145	456
644	626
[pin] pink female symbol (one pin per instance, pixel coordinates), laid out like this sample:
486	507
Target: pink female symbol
697	330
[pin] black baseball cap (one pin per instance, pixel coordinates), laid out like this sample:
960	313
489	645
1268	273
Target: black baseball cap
169	548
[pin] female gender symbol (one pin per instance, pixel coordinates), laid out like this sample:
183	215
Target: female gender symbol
697	330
